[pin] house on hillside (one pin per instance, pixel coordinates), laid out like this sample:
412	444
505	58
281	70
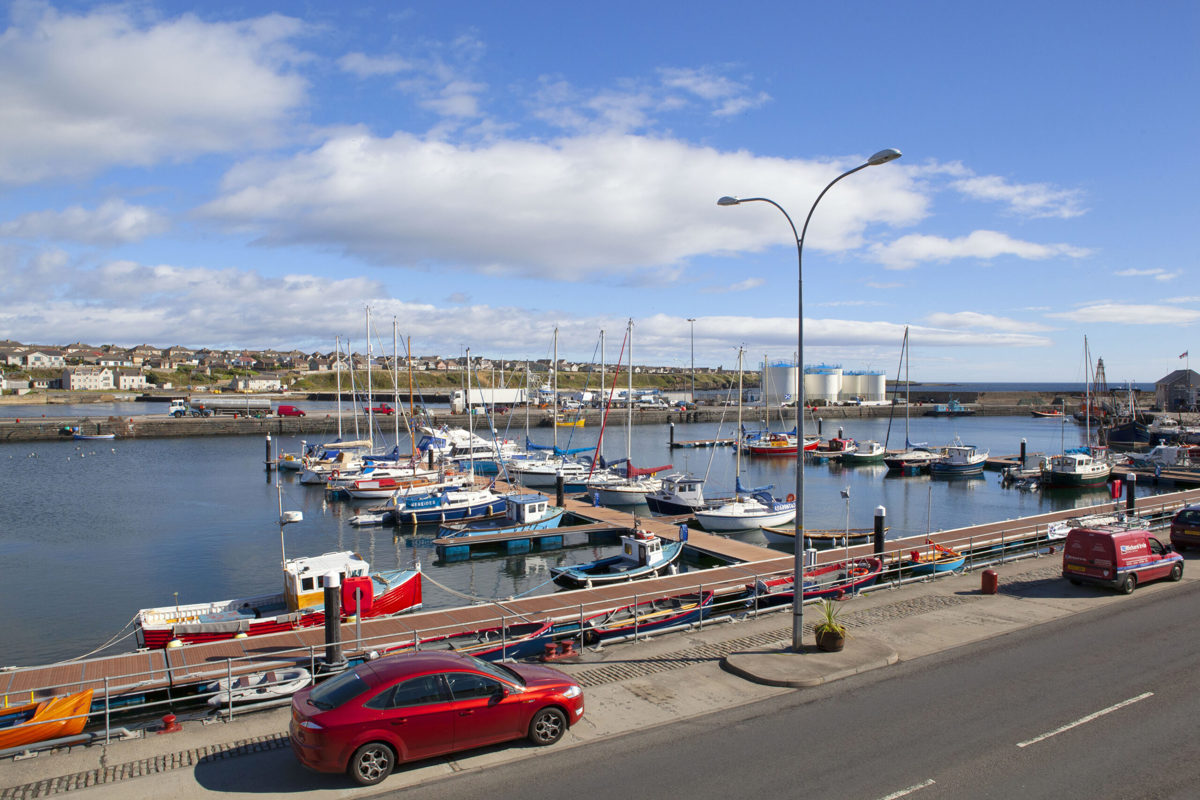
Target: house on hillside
87	378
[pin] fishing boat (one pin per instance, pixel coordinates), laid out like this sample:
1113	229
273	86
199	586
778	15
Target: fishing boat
868	452
569	420
951	409
257	687
643	555
681	493
937	559
449	504
86	436
647	616
300	605
1077	468
40	721
830	580
1053	413
959	460
522	512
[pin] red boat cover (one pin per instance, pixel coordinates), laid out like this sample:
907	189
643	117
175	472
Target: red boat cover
367	591
632	472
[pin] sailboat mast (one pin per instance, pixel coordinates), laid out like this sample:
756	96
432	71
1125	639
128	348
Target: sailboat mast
554	392
907	386
337	363
470	419
629	405
370	416
737	470
396	382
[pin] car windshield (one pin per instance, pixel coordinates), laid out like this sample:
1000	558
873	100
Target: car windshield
336	691
501	671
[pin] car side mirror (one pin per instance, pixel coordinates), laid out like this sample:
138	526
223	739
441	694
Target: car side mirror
500	693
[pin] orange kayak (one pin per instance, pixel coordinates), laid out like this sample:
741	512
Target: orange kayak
49	719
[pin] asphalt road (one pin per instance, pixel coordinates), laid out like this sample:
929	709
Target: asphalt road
1100	705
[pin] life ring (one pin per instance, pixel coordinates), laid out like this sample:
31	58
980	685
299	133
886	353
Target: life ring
857	572
334	474
791	498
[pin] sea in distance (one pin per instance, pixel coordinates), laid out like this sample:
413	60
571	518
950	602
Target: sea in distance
96	530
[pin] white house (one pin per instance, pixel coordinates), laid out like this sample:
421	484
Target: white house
87	378
264	382
130	380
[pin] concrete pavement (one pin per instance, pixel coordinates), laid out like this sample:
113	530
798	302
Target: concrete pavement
629	686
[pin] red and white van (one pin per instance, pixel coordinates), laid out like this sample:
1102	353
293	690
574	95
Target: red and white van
1118	558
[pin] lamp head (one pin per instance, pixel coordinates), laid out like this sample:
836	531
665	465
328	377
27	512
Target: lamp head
883	156
728	201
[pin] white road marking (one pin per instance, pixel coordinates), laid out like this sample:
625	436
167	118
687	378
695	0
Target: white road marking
1087	719
908	791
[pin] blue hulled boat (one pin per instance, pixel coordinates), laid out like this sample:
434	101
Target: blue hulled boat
644	555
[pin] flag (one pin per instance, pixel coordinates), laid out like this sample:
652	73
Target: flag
1183	354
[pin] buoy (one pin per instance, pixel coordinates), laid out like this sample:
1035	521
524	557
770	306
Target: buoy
174	643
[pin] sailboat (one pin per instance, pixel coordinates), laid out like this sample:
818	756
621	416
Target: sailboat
613	489
914	458
749	508
1079	467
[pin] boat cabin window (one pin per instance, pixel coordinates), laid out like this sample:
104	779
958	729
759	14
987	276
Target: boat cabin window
307	584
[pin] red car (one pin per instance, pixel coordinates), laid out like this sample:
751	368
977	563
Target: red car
382	408
289	411
420	705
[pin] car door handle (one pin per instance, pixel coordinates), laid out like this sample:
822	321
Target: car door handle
466	713
400	721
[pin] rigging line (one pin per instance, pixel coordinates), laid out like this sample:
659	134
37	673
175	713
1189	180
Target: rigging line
608	403
713	450
471	597
117	637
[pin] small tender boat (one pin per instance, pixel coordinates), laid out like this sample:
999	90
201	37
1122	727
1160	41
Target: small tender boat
1053	412
937	559
830	580
644	555
748	510
40	721
513	642
95	435
647	616
300	605
787	533
258	687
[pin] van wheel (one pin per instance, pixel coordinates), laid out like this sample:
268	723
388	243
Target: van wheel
1176	571
1128	584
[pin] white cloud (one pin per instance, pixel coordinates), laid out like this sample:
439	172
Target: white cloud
114	222
1129	314
725	96
1157	274
569	210
80	92
1026	199
963	320
881	285
740	286
908	251
365	66
1192	299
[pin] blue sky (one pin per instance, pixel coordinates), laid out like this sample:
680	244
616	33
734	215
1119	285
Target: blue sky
255	175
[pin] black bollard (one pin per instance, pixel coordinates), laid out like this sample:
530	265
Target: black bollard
558	490
1130	501
1022	461
335	661
672	441
880	527
268	461
819	421
430	452
841	433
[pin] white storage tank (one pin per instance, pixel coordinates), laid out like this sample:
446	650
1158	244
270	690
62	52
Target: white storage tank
822	382
779	383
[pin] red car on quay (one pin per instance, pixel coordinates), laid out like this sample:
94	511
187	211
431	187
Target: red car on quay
419	705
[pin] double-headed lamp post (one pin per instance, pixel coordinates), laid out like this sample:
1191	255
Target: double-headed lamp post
882	157
692	325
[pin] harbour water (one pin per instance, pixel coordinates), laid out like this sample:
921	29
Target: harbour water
95	530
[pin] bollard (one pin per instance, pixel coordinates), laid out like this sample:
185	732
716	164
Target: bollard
430	452
268	461
170	724
1022	461
880	526
558	490
1130	500
334	660
672	430
991	582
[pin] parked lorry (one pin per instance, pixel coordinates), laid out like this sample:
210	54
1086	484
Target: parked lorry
181	408
230	404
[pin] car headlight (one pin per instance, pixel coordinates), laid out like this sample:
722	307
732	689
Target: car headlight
573	691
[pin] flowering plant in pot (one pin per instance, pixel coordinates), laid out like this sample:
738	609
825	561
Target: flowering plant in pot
831	634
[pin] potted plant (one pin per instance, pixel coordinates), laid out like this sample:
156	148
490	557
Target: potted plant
831	634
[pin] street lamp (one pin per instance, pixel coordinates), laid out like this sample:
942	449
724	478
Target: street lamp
692	325
882	157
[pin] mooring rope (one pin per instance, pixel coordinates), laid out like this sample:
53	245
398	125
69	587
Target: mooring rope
117	637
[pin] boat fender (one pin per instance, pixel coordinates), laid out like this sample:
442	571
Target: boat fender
915	555
791	498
